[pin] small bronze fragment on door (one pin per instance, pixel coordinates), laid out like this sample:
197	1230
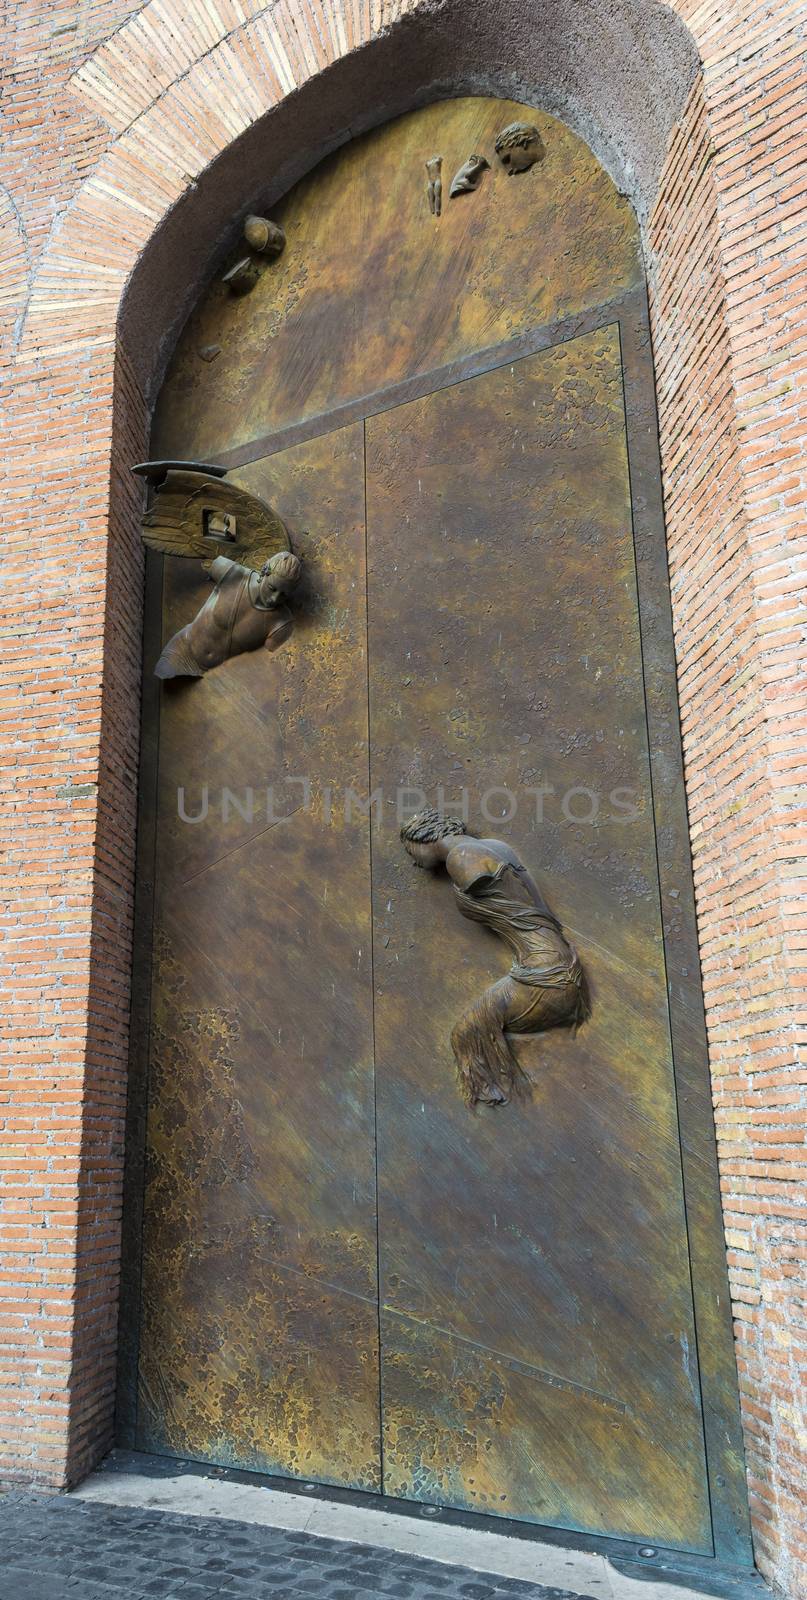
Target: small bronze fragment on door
519	146
242	278
434	187
467	178
264	236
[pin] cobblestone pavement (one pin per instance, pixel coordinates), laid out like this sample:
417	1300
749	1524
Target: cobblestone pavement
52	1548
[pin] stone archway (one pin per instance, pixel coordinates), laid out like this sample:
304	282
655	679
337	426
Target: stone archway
724	539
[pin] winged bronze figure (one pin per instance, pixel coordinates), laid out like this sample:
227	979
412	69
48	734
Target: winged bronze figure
245	550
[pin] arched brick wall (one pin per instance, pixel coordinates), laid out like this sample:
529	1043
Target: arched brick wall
135	136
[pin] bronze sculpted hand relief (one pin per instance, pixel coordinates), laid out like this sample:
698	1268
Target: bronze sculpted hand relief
545	987
468	177
245	551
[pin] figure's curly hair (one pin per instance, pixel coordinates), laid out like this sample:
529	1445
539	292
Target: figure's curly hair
516	133
284	567
427	826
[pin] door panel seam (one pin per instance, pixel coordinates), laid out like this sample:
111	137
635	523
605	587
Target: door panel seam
372	957
474	365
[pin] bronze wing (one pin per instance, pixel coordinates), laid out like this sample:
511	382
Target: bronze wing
195	512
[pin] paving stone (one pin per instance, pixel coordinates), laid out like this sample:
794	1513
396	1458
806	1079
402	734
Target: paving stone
63	1549
194	1589
15	1584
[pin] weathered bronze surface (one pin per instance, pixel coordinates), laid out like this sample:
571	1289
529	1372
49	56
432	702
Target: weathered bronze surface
259	1343
545	987
365	295
538	1344
713	1312
537	1332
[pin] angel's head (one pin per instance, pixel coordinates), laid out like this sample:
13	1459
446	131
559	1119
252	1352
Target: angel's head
279	575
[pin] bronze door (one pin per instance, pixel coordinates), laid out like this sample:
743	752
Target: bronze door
337	1272
533	1341
537	1337
259	1334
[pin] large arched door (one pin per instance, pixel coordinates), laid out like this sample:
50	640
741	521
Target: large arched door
347	1276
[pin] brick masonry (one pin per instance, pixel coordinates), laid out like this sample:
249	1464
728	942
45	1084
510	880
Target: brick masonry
111	110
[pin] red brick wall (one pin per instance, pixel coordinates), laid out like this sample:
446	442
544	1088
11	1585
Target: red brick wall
87	169
728	282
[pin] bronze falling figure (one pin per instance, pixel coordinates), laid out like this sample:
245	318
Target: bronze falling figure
245	549
545	987
244	611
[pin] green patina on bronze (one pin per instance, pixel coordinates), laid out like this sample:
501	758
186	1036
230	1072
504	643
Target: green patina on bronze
484	604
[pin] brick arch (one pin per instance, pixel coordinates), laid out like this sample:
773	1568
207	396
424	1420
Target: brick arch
188	95
16	269
194	118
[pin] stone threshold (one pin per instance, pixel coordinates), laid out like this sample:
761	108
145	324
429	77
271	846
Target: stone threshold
156	1483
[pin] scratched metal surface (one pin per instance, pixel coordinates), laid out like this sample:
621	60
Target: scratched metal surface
538	1345
259	1344
517	253
539	1358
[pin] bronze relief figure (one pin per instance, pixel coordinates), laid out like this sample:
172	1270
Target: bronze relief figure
244	611
519	146
245	550
469	176
434	187
546	985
